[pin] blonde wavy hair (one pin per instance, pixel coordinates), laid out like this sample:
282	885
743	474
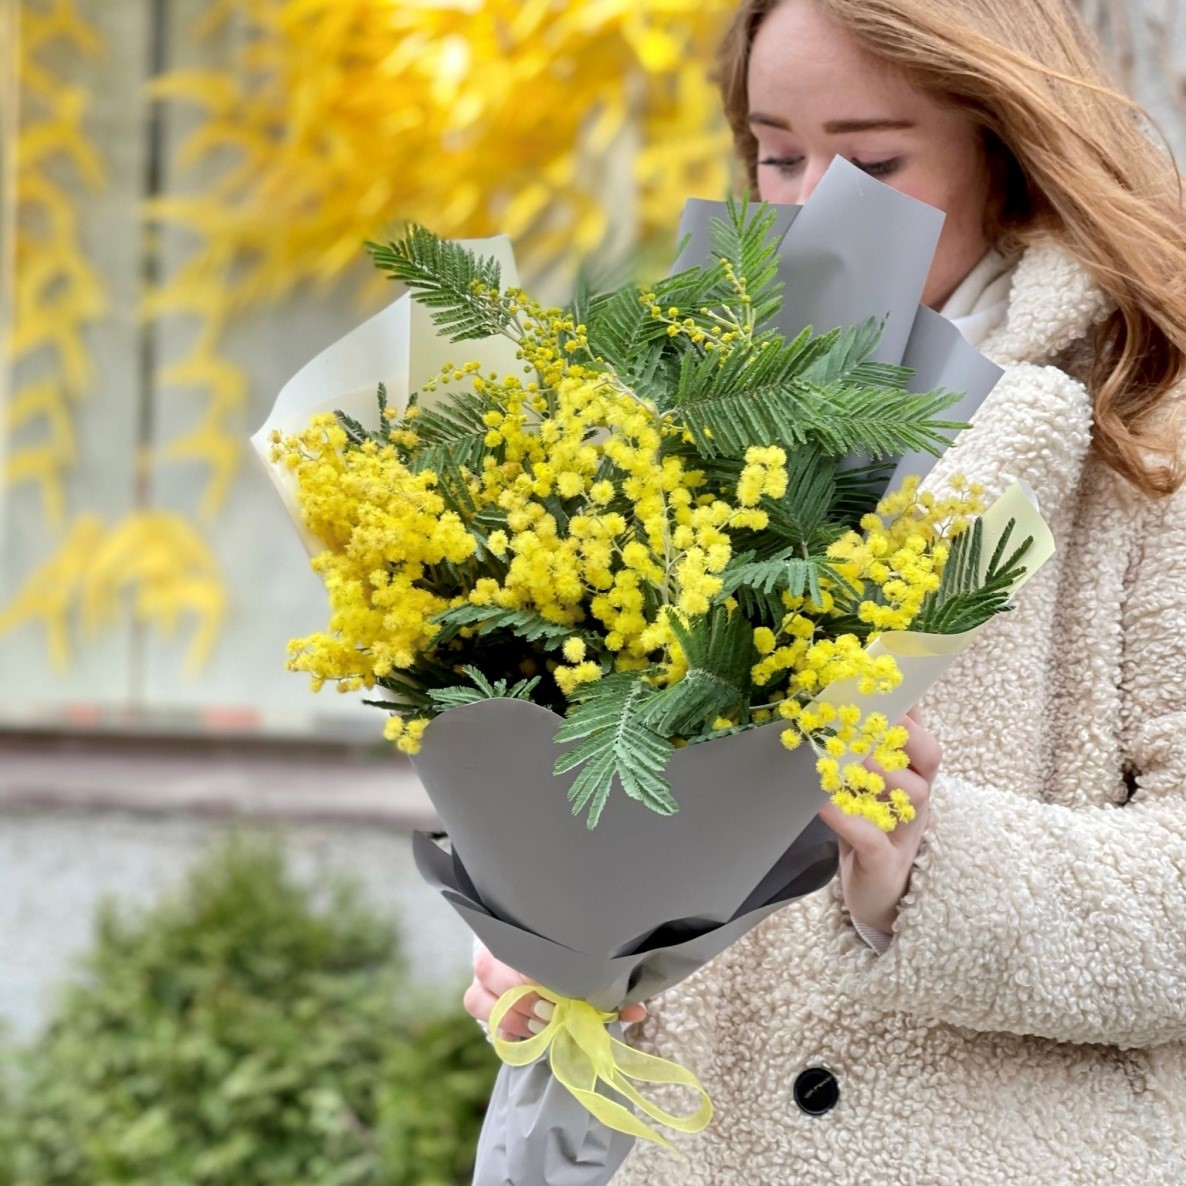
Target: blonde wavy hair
1070	158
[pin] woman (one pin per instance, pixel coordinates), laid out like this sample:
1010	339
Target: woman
997	992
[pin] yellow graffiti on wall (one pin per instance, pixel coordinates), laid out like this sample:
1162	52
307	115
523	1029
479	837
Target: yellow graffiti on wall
155	557
57	292
475	117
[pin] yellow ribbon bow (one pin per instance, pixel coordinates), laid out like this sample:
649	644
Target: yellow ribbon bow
581	1053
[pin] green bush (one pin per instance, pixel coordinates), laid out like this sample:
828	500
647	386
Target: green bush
234	1035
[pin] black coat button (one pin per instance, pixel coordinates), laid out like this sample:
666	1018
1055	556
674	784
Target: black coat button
816	1091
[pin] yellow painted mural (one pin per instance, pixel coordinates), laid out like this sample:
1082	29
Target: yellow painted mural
345	120
158	557
57	292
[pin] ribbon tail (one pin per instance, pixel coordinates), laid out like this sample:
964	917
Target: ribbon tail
626	1063
582	1054
575	1070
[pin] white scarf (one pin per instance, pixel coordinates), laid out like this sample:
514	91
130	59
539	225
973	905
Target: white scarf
981	299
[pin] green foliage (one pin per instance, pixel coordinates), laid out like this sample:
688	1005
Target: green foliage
621	330
769	396
454	432
785	572
433	1090
615	745
235	1036
482	689
720	651
805	514
463	290
746	242
526	624
966	598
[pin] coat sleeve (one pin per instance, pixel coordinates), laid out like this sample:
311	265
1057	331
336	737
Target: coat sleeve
1035	918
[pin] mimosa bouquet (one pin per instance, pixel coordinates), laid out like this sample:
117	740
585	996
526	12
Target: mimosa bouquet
647	532
618	580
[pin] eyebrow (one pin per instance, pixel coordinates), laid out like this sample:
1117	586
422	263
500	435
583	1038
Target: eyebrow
838	127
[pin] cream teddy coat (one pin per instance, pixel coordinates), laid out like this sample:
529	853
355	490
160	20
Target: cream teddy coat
1027	1024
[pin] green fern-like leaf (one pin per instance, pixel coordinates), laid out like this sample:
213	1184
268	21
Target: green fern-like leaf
787	572
624	336
443	699
525	624
720	652
454	432
803	514
356	434
760	608
965	599
615	746
857	489
460	288
817	390
745	240
847	361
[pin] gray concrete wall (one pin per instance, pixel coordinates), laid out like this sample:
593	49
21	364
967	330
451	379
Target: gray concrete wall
56	867
1146	43
81	820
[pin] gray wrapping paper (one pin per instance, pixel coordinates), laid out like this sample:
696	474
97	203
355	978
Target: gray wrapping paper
534	1130
620	913
488	769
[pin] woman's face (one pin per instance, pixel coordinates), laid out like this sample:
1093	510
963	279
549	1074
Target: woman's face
815	93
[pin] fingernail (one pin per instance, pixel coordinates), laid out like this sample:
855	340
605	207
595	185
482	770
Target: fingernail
544	1010
536	1027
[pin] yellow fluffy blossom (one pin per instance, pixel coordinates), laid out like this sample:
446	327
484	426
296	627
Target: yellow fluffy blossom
764	475
570	678
385	526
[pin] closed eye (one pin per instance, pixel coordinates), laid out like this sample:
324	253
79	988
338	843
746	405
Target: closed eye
787	165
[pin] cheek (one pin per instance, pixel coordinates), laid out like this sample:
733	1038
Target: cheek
773	188
963	240
957	185
935	189
960	190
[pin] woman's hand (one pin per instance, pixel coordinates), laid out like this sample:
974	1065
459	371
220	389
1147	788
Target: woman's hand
875	865
526	1017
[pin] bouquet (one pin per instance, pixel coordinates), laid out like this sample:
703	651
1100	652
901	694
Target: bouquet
634	592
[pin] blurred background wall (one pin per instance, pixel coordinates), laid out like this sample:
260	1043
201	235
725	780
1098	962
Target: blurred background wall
186	186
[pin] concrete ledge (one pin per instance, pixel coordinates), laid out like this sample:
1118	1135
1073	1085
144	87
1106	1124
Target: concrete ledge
213	778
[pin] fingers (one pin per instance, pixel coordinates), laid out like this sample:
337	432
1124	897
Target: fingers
909	780
923	749
527	1016
479	1001
491	979
494	975
866	838
861	836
